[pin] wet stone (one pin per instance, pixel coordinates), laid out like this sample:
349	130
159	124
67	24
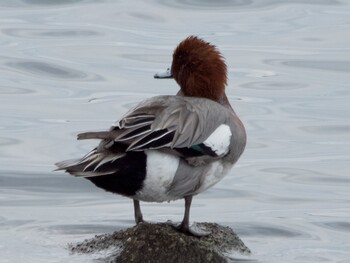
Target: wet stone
153	243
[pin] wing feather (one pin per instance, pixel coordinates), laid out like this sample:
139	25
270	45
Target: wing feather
184	118
129	134
179	125
164	122
148	142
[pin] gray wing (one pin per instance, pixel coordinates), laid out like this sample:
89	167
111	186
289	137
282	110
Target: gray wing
177	125
165	122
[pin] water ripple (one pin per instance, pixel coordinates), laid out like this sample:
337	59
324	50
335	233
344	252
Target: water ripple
45	2
327	129
15	90
273	85
4	141
305	176
338	226
254	229
51	70
326	65
237	4
79	229
52	33
17	3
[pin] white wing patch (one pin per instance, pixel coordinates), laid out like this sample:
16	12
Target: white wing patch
219	140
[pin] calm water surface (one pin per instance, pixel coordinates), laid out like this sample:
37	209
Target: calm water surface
76	65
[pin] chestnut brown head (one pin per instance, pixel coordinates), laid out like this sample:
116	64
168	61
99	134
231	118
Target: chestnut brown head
199	69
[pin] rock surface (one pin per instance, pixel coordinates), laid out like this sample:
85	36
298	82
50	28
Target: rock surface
153	243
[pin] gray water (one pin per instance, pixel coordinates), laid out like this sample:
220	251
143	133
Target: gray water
76	65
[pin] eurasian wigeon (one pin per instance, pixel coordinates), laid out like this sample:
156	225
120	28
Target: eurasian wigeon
174	146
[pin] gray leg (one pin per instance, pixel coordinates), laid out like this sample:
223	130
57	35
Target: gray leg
137	212
185	224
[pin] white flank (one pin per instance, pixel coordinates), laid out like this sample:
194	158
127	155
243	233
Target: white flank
161	169
219	140
217	170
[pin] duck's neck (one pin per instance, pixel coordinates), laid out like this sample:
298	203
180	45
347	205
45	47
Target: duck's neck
180	93
225	102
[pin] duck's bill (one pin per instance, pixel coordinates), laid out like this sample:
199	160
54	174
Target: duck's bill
164	75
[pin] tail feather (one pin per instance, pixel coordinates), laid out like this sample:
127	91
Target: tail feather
93	164
102	135
68	164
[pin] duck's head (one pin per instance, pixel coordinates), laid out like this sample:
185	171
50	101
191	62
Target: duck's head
199	69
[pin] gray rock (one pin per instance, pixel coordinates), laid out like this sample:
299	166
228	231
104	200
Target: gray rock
153	243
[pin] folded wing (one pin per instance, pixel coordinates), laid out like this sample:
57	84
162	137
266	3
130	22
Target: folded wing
179	125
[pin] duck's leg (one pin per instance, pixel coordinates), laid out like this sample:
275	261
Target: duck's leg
137	212
185	224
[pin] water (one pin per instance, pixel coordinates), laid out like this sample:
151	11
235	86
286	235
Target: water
71	66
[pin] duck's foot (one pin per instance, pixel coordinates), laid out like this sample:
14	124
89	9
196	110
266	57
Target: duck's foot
139	220
193	230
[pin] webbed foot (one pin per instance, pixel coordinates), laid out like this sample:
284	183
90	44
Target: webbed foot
193	230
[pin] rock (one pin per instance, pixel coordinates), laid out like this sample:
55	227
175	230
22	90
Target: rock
153	243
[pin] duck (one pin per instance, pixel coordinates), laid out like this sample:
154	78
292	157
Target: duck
170	147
